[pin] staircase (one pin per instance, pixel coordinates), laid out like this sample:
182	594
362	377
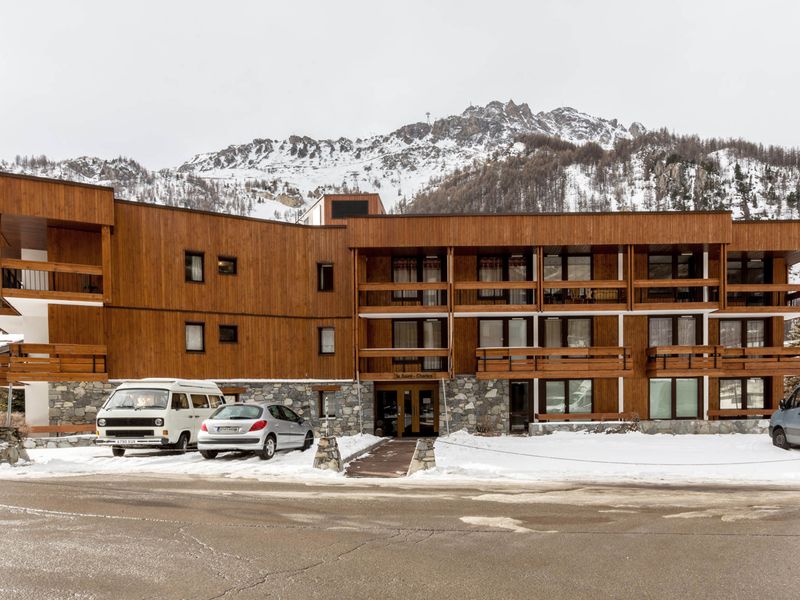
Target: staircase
389	459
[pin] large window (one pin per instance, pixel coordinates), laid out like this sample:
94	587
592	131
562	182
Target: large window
742	393
341	209
428	269
566	396
324	277
515	267
747	270
404	270
193	267
743	333
490	268
675	331
327	340
570	267
674	398
505	333
566	332
672	266
195	337
409	333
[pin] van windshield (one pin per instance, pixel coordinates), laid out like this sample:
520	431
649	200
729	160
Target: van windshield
138	400
237	411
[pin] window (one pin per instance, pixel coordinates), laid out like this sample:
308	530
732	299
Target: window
228	334
327	340
490	268
349	208
431	273
490	333
674	398
275	411
324	277
505	333
572	267
567	396
743	333
193	262
199	401
672	266
742	393
566	332
180	402
226	265
519	406
674	331
216	401
515	267
195	337
404	270
289	414
326	405
518	271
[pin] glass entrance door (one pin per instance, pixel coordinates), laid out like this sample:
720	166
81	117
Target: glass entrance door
406	410
519	406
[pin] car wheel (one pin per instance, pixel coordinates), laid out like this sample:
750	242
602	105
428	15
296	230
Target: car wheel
779	439
208	454
118	451
182	444
308	441
268	451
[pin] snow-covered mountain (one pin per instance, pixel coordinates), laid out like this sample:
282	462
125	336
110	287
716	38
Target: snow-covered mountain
274	178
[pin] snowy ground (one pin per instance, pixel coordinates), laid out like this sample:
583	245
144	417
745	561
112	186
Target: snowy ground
630	457
89	460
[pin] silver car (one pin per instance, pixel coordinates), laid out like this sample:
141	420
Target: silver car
253	427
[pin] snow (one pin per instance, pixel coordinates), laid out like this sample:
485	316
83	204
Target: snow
629	457
96	460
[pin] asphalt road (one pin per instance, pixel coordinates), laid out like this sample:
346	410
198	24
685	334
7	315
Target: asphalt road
164	538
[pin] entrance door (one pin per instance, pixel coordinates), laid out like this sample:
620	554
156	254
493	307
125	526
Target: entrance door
407	409
519	408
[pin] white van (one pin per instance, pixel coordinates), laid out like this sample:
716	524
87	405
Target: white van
156	413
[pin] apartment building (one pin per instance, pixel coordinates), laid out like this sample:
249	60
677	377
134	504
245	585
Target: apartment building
398	325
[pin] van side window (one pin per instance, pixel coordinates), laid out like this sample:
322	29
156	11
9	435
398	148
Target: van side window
216	401
199	401
180	402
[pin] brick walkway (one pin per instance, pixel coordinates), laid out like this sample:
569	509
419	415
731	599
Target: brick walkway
389	459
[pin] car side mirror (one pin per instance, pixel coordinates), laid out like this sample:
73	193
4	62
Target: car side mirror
782	404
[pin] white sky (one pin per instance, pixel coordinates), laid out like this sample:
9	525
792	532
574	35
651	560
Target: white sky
162	80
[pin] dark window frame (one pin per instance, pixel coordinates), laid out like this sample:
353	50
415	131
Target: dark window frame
743	381
693	266
187	269
505	320
698	329
203	326
234	328
319	340
230	259
416	295
324	284
529	417
410	360
743	332
674	399
565	381
490	293
564	329
352	208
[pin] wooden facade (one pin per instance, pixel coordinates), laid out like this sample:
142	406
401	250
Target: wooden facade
116	278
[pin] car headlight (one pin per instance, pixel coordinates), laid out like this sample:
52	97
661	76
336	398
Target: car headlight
158	422
101	422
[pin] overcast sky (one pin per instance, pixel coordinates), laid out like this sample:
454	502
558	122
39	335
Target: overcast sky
161	81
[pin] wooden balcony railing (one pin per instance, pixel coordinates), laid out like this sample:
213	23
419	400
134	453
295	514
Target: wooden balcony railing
402	297
763	296
719	361
527	363
493	296
598	294
403	363
55	362
51	280
651	292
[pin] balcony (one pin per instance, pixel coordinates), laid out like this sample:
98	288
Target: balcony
584	295
54	362
555	363
666	294
51	281
425	298
719	361
762	297
403	363
495	296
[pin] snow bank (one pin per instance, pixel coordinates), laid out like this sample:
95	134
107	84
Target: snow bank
96	460
630	457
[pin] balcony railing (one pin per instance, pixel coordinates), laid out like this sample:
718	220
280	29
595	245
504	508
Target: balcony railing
402	297
719	361
483	296
403	363
597	294
55	362
765	296
526	363
51	280
676	291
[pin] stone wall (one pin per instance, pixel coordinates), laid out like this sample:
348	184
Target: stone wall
475	405
78	402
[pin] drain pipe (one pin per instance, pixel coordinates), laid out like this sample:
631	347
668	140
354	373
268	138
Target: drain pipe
446	415
360	407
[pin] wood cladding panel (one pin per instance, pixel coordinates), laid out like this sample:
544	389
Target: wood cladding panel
465	343
637	386
606	391
71	324
526	230
774	236
276	264
148	343
76	246
56	200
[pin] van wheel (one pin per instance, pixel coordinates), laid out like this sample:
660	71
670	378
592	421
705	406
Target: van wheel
779	439
309	440
268	451
208	454
118	451
183	443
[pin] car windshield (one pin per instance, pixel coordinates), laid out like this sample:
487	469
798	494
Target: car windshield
138	400
233	412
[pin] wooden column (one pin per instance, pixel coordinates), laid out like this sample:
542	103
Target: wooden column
450	316
106	259
630	275
723	276
356	318
539	278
